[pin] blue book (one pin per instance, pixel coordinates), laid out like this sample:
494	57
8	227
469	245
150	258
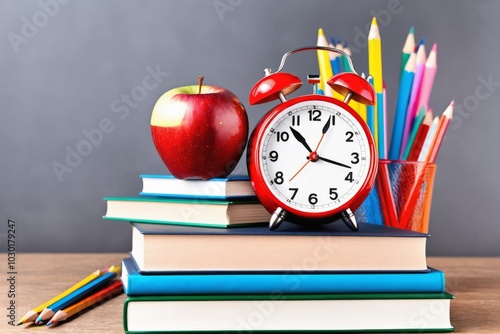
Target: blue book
232	187
289	282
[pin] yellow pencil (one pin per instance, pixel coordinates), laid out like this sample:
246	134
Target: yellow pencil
31	315
325	67
362	111
110	291
375	69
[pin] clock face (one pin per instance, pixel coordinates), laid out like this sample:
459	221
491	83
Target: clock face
315	156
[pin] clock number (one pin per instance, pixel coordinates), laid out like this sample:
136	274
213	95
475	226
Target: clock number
333	119
333	194
315	115
278	178
273	156
355	156
282	136
313	198
349	177
294	192
296	120
349	135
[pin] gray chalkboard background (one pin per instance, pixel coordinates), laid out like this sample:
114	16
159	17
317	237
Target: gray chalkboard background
69	67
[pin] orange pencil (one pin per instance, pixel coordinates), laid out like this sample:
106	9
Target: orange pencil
441	131
112	290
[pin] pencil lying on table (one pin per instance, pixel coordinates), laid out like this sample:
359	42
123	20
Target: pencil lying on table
114	289
75	296
31	315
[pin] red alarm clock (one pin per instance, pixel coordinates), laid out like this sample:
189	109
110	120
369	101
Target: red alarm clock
312	159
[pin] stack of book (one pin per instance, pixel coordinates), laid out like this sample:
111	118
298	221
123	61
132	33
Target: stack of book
167	200
182	278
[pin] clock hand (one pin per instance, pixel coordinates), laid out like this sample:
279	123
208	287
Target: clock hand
334	162
312	157
323	132
327	125
300	170
300	139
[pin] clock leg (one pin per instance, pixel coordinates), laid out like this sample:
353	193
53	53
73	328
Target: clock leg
349	219
277	218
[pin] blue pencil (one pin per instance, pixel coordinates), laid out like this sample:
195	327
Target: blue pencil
334	58
370	115
402	106
380	124
74	296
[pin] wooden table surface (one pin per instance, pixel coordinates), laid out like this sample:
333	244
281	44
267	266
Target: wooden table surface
475	282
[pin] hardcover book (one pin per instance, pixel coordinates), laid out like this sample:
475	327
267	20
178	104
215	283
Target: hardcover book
232	187
287	282
184	211
289	312
292	247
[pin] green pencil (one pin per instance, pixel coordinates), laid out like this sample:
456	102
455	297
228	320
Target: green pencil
408	48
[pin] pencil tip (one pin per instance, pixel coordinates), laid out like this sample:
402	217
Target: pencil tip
412	30
374	21
452	103
49	323
434	47
422	41
320	31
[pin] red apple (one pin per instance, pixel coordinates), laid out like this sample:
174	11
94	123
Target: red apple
199	131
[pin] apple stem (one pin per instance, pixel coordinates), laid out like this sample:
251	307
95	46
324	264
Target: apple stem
200	82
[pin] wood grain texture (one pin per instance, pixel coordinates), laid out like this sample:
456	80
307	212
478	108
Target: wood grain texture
475	282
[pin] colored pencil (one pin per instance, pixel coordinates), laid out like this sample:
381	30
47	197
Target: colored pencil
384	100
428	139
345	63
370	115
114	289
334	58
375	69
325	68
76	295
402	106
418	143
415	128
362	111
440	133
430	157
408	48
386	196
340	46
412	110
33	314
428	78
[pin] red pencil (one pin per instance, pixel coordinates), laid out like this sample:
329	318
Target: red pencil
418	143
388	206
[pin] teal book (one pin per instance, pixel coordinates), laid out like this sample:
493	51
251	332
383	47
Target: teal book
360	313
290	282
187	211
231	187
330	247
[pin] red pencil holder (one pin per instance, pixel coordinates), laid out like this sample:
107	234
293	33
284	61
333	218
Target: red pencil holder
402	196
